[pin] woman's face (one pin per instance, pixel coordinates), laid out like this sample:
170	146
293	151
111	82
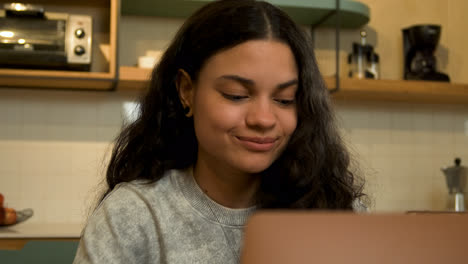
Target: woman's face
243	105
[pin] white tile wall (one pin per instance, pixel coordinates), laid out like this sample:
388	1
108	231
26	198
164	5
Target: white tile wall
54	144
54	147
401	148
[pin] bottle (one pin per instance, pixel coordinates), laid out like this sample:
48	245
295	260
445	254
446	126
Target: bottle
357	60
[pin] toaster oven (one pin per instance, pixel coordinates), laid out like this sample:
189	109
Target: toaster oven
33	38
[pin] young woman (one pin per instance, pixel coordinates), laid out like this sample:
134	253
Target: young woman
237	118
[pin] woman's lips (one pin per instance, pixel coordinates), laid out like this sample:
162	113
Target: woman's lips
257	144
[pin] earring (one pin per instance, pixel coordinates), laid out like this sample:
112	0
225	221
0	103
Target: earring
187	111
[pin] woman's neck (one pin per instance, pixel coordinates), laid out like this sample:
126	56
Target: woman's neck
226	186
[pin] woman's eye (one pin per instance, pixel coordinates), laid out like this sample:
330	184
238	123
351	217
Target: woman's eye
285	102
234	97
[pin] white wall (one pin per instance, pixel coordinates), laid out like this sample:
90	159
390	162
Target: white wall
54	144
54	147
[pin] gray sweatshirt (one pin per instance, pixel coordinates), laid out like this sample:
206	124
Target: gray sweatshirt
170	221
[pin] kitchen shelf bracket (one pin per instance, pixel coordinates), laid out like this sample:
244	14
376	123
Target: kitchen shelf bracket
335	12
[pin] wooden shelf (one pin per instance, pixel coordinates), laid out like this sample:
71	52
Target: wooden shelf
400	90
102	75
132	78
353	14
56	79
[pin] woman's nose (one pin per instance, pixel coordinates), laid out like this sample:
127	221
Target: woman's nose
261	115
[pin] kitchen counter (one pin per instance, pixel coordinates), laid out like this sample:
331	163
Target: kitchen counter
15	237
41	230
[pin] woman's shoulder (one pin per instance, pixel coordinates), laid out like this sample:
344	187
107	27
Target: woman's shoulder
125	199
143	192
127	217
167	183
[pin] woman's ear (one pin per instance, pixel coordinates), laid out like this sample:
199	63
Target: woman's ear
185	90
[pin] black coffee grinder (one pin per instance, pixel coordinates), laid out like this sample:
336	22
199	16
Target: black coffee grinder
420	42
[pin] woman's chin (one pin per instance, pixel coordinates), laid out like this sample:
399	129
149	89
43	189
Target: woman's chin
254	167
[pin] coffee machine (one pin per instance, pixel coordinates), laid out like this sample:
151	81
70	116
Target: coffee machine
455	177
419	44
363	61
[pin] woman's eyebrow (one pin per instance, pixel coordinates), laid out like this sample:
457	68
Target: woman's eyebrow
249	83
287	84
241	80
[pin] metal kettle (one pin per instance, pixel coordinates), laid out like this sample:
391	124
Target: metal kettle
455	177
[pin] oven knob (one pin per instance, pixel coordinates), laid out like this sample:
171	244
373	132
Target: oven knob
79	50
79	33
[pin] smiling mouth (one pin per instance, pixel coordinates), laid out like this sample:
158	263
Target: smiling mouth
257	144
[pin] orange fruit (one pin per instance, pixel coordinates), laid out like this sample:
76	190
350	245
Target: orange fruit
10	216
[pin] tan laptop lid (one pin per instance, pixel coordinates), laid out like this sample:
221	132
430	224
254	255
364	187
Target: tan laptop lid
332	238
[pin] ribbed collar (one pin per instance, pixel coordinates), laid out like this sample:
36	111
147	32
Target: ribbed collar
205	205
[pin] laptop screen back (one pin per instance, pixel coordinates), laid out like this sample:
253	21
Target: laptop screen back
330	238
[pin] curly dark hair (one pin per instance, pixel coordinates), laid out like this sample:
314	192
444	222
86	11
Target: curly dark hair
314	169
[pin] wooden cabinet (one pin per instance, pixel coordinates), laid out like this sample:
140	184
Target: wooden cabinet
353	15
103	72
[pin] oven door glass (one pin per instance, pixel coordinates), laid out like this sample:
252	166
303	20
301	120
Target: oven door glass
32	34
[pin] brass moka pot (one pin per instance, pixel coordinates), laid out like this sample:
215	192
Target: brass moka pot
455	177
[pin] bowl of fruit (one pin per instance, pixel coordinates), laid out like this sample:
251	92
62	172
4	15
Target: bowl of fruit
10	216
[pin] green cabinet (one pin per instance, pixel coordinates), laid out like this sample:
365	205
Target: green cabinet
41	252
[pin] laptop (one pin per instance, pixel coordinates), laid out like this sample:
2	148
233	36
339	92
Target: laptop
292	237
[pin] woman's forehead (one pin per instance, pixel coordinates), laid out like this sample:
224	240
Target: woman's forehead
252	60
